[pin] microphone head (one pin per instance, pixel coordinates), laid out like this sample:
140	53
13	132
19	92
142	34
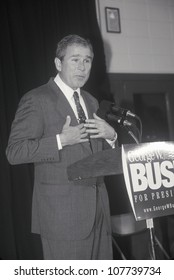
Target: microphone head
113	114
119	119
122	111
118	110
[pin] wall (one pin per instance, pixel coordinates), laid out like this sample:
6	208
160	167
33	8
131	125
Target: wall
146	41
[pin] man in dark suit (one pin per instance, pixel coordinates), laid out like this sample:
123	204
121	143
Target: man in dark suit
53	129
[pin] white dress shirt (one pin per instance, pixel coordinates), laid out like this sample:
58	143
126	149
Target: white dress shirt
68	92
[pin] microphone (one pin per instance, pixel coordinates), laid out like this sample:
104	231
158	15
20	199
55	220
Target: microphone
110	112
121	120
121	111
106	111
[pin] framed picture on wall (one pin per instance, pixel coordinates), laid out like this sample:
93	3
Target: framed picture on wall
112	20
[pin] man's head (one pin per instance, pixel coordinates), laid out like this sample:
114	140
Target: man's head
73	60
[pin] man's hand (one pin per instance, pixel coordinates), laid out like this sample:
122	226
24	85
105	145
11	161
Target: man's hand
99	128
71	135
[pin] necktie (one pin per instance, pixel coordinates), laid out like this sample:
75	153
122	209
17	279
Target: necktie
81	114
80	111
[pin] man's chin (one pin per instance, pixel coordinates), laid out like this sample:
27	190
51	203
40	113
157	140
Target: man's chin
79	84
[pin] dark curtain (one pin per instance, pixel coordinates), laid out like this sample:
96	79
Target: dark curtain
29	33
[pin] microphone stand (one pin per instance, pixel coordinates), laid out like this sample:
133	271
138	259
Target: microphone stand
149	222
140	125
132	135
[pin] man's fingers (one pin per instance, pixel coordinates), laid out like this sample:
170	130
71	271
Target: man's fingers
88	121
83	140
84	135
80	126
92	125
96	117
92	131
83	130
95	136
67	122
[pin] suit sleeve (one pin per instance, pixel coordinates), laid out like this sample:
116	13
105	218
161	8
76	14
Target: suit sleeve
27	142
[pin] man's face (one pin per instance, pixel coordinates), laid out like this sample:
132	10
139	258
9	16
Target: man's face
75	67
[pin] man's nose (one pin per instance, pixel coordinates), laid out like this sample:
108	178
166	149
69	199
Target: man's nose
81	66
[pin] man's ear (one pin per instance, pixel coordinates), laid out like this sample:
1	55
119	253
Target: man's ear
58	64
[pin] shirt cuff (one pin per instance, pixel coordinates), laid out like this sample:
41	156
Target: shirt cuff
59	144
112	142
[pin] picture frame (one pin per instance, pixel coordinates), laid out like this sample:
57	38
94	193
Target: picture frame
113	24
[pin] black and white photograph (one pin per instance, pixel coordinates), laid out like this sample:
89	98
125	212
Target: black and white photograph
86	138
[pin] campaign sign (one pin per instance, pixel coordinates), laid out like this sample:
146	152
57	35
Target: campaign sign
148	170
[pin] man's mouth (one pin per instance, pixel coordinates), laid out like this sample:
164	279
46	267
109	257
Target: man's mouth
80	76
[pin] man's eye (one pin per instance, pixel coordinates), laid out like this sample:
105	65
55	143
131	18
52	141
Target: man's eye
87	60
75	60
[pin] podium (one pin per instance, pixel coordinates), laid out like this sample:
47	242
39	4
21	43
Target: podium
106	163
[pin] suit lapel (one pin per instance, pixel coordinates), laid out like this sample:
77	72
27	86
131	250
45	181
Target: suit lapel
89	106
63	105
65	108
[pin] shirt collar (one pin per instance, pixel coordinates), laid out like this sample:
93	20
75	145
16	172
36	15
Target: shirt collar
67	91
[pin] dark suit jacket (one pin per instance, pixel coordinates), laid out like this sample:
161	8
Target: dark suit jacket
61	208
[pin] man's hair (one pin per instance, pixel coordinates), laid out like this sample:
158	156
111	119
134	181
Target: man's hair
69	41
